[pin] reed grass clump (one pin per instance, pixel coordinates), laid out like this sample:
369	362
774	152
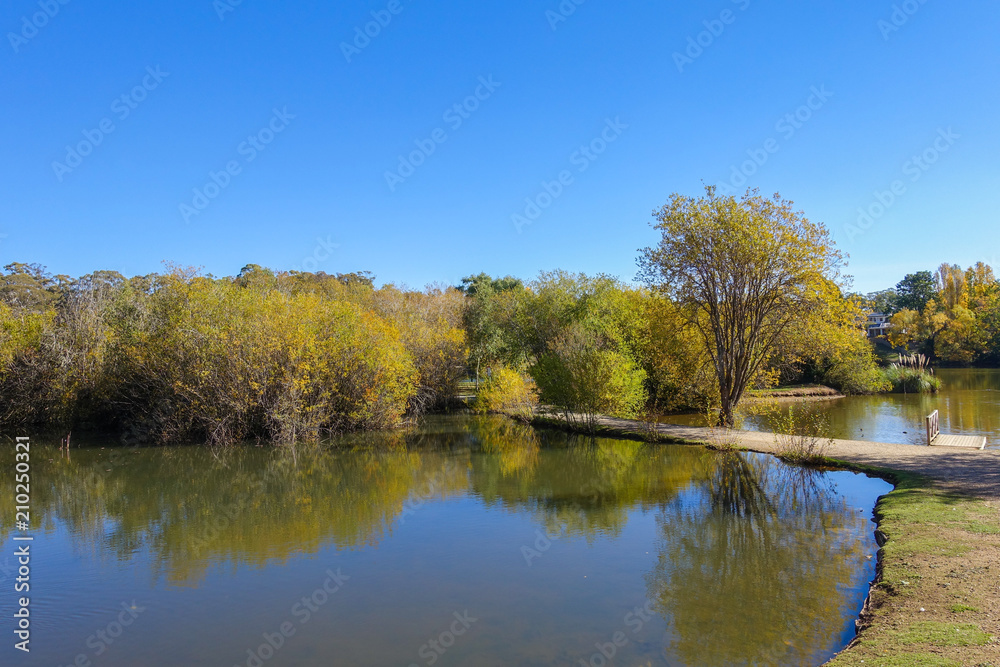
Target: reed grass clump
912	374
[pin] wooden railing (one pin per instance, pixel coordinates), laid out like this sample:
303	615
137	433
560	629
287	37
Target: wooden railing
933	427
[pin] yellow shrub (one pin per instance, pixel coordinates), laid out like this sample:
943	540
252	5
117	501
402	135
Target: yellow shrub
508	392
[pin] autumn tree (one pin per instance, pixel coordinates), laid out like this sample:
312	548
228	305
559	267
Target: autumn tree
743	270
182	357
958	323
830	345
430	326
951	286
981	284
904	328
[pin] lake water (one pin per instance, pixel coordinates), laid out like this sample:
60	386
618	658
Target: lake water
969	404
470	542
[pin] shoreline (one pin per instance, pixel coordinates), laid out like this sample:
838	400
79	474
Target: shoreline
939	524
803	392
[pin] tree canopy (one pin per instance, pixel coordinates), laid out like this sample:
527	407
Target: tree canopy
743	271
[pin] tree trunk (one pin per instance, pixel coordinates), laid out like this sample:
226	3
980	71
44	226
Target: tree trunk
726	417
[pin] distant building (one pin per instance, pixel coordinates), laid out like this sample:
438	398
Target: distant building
878	325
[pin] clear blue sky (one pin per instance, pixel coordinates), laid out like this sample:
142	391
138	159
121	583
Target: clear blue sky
887	96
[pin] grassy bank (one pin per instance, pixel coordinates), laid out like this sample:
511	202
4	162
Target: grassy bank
936	599
796	391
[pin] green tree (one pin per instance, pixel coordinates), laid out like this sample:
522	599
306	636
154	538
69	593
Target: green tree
915	290
743	271
584	376
29	287
488	319
473	285
885	301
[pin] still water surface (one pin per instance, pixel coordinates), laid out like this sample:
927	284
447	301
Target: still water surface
969	404
472	542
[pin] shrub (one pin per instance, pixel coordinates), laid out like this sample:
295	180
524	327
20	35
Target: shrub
430	328
802	438
509	393
853	368
218	362
580	376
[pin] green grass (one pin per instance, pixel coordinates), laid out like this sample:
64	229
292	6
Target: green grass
930	546
983	528
960	608
913	516
933	633
794	390
905	660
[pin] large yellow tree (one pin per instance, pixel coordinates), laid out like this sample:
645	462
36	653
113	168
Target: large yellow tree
743	270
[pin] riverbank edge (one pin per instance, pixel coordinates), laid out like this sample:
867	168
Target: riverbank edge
803	392
880	641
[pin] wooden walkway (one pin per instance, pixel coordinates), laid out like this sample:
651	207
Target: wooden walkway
973	441
936	439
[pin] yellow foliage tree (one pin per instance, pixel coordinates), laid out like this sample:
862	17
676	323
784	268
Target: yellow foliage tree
743	271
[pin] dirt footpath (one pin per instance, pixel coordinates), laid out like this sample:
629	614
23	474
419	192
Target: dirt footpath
974	472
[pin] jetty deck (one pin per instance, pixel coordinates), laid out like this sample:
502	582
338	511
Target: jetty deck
937	439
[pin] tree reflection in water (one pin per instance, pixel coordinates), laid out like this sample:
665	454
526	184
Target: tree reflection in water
751	569
751	560
576	486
